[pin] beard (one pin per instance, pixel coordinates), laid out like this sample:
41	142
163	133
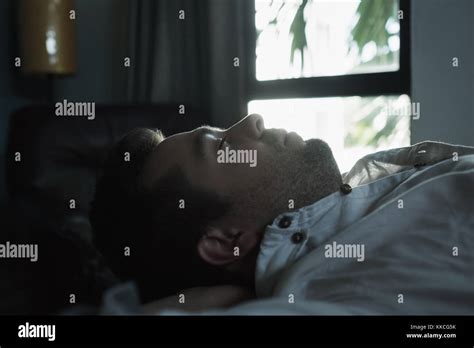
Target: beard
292	180
311	174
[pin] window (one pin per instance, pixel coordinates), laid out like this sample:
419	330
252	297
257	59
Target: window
333	69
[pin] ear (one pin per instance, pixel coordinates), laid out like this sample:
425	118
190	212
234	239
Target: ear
216	246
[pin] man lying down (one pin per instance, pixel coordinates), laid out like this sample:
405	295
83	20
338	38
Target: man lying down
197	230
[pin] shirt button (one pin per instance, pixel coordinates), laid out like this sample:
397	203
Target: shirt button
346	188
285	222
297	237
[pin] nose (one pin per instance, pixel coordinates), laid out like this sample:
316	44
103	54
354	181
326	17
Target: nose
251	126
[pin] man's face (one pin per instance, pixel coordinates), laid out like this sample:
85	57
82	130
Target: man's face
278	171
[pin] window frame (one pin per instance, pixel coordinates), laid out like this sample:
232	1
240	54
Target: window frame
363	85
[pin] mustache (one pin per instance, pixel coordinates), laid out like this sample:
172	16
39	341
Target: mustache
273	136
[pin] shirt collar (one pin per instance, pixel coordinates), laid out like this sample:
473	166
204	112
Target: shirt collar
315	224
277	251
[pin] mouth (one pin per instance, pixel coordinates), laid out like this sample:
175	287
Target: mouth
284	138
279	135
293	139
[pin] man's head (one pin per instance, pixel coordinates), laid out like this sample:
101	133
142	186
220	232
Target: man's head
193	204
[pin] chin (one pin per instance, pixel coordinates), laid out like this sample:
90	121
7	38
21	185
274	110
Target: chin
318	145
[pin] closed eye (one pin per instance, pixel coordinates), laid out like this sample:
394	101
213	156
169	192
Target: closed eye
221	143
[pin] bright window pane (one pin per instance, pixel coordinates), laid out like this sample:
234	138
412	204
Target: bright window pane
352	126
337	37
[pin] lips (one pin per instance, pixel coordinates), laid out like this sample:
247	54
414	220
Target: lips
284	138
276	135
293	138
282	134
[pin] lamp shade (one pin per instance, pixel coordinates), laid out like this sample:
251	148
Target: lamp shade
47	37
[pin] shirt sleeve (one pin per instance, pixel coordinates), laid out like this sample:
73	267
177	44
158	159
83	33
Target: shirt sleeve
383	163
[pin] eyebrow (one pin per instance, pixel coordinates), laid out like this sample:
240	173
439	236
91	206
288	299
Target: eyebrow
199	140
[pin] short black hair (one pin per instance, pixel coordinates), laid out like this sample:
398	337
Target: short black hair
161	226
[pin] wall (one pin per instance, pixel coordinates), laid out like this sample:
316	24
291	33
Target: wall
442	30
102	43
13	91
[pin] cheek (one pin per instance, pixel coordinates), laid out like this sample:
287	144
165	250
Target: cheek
255	169
209	178
246	181
230	179
218	178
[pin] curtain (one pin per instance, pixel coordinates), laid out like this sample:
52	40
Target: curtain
190	60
